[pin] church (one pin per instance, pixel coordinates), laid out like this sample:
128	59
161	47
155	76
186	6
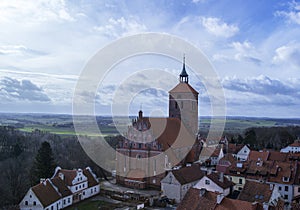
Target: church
152	146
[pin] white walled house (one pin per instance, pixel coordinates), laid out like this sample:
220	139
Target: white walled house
215	182
178	182
65	188
293	148
243	154
42	196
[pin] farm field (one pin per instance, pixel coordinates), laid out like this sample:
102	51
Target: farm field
62	124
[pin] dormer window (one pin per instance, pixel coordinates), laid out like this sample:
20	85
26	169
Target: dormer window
285	179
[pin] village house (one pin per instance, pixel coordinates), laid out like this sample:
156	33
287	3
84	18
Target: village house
293	148
242	154
215	182
179	181
264	194
201	199
63	189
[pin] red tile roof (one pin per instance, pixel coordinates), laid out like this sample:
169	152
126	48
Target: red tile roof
278	156
196	199
295	144
69	175
193	200
261	155
256	191
215	177
234	148
183	88
92	181
46	193
188	174
61	186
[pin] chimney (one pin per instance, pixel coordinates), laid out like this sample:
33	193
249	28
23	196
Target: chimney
221	177
220	198
202	192
61	175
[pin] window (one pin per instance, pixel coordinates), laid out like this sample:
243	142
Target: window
64	201
140	146
286	197
76	188
279	188
30	196
26	203
207	182
51	207
34	203
286	188
83	193
176	105
69	200
240	181
298	189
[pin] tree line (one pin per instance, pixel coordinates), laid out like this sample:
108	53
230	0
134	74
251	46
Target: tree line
25	157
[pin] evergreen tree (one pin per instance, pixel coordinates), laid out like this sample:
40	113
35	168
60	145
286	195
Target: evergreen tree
44	164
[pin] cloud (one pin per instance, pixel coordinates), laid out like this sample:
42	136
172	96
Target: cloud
121	27
22	90
18	50
219	28
288	54
262	85
239	51
34	11
293	13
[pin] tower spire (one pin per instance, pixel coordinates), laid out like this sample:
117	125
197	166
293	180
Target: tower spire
184	77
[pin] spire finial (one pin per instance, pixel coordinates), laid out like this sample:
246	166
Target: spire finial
184	77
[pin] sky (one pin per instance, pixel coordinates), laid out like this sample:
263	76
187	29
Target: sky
254	47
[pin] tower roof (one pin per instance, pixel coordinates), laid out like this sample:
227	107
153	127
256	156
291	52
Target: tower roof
183	87
184	77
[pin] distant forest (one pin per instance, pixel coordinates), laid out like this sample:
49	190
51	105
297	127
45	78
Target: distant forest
18	150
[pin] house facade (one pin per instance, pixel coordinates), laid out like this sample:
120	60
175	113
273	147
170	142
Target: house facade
215	182
293	148
243	154
63	189
179	181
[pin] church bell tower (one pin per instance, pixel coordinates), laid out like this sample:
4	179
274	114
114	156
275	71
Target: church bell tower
183	102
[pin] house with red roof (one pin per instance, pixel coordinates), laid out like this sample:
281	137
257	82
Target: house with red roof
293	148
215	182
63	189
179	181
201	199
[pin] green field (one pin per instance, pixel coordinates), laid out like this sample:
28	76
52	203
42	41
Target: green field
63	124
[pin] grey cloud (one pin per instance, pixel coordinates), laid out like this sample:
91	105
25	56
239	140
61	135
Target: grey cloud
261	85
22	90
